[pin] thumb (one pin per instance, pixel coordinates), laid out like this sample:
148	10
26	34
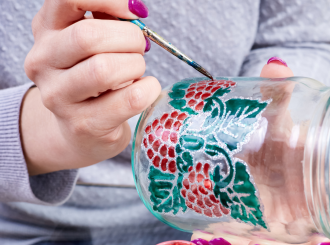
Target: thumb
276	68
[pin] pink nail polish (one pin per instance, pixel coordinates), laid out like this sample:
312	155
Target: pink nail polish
176	242
138	8
148	45
324	243
219	241
200	241
277	59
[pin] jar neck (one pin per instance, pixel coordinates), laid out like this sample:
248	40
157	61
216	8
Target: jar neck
317	166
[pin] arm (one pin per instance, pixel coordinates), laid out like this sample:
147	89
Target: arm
15	182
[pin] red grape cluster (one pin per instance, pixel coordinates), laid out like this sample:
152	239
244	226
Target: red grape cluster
197	191
160	139
198	92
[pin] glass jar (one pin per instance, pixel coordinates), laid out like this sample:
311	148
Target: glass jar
243	156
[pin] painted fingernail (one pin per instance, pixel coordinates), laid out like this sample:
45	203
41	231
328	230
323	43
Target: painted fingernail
200	241
218	241
277	59
324	243
176	242
148	45
138	8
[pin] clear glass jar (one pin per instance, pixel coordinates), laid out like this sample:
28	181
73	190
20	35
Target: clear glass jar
242	156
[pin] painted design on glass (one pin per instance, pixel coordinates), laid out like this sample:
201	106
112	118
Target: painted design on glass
204	123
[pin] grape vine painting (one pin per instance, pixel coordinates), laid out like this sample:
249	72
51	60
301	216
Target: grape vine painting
219	186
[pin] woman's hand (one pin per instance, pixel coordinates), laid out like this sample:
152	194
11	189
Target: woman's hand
88	76
278	175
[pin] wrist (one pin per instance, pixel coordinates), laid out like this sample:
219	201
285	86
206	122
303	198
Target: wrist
38	134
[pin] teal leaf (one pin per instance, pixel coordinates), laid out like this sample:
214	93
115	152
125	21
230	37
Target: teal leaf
239	121
177	94
220	182
165	191
211	118
191	142
178	149
247	206
178	104
184	162
181	85
245	107
211	139
221	92
208	105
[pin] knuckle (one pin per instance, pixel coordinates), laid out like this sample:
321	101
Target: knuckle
48	98
31	64
115	135
82	35
80	127
135	98
99	69
51	98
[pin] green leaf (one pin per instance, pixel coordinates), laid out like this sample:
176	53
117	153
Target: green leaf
178	104
221	92
177	94
165	191
181	85
191	142
214	150
184	162
239	121
211	118
245	107
248	208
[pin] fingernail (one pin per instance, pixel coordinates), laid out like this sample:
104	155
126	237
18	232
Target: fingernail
324	243
200	241
218	241
148	45
176	242
277	59
138	8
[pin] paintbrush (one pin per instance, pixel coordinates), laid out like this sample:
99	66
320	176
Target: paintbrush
153	36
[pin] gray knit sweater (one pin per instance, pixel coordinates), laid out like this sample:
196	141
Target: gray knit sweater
229	38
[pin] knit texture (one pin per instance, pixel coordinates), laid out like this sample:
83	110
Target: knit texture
16	185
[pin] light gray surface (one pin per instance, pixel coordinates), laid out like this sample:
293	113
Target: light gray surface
217	34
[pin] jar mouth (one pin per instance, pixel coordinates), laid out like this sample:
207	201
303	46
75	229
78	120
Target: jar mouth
317	166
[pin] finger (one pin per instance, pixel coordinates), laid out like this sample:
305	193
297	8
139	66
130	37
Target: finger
58	14
92	36
280	93
96	75
276	68
202	235
115	107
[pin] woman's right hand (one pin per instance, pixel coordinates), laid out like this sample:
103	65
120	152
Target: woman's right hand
88	76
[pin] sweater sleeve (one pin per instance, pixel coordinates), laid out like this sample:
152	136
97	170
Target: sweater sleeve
15	183
296	31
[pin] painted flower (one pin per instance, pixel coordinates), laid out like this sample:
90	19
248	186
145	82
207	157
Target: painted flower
198	92
198	192
160	140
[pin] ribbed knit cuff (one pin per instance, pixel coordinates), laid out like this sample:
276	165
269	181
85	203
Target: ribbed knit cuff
15	183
